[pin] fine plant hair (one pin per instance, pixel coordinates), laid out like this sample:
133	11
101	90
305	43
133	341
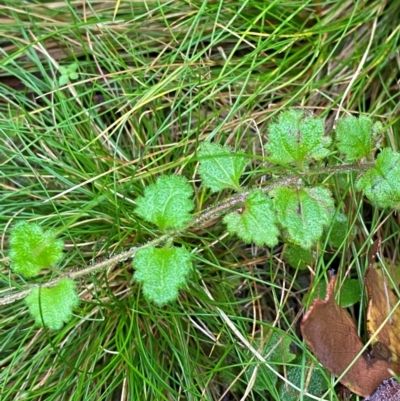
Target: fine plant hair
293	206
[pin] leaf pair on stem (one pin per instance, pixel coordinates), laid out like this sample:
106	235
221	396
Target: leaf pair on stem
33	250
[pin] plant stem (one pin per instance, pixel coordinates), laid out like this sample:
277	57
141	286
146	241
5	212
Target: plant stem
200	220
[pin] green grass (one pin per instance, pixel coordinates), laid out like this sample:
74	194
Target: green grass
155	79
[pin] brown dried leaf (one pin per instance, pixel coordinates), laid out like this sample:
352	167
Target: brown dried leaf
382	302
331	334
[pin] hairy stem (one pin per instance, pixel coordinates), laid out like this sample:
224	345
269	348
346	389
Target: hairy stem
203	218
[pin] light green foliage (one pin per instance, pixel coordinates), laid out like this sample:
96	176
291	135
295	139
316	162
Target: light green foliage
296	137
68	74
31	249
349	292
162	271
220	168
381	184
167	203
303	213
340	231
298	257
52	307
313	382
256	223
355	137
276	351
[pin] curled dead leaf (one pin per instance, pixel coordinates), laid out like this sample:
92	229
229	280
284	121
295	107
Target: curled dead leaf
382	303
331	334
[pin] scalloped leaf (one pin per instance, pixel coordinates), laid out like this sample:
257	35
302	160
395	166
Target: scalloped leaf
162	271
256	223
303	213
296	137
167	203
355	137
381	184
31	249
220	168
52	307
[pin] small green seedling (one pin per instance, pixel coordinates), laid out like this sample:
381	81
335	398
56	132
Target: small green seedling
68	74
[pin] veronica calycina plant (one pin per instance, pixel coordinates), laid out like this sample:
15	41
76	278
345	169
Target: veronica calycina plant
294	207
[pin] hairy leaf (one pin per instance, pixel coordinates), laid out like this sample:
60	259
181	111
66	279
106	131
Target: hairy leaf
220	168
32	249
296	137
381	184
276	351
310	379
355	137
167	203
299	257
52	307
303	213
256	222
162	271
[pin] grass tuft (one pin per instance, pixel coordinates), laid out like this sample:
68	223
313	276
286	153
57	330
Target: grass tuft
156	78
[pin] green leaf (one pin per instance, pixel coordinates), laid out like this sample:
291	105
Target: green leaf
303	213
52	307
73	76
340	231
256	223
162	271
298	257
167	203
311	381
355	137
32	249
349	293
220	168
277	352
63	80
381	184
63	70
296	137
72	67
